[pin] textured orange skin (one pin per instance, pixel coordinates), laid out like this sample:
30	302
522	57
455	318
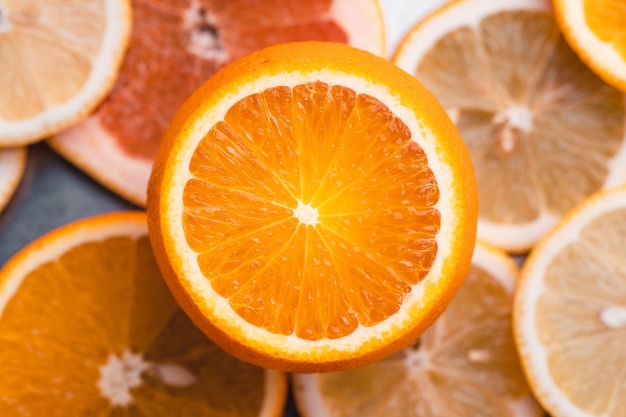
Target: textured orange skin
587	56
311	56
16	264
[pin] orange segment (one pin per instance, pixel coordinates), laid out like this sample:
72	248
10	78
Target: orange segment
596	30
608	22
465	364
308	199
88	327
543	130
175	46
326	204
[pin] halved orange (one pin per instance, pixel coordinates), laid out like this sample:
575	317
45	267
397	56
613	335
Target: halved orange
465	364
596	30
175	47
12	165
59	59
543	130
570	311
312	207
89	328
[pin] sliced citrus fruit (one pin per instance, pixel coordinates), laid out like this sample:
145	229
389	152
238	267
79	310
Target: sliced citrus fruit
465	364
12	165
544	132
88	327
59	60
596	30
312	207
570	311
177	46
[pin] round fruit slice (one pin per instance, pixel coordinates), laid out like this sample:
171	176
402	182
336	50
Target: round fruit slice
543	130
570	311
176	47
596	30
465	364
88	327
12	164
312	207
59	60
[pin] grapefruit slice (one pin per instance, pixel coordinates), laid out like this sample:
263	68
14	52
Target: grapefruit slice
175	46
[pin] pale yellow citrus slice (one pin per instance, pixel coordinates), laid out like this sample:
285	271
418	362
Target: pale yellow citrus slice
89	328
465	364
59	59
178	45
596	30
312	207
570	311
12	166
543	130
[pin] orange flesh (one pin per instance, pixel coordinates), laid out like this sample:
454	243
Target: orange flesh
177	45
520	93
341	153
102	298
607	20
450	377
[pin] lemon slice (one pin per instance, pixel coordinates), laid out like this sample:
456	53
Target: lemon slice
543	130
59	60
570	311
464	365
312	206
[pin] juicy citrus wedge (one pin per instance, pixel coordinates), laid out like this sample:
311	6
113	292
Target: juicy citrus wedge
88	327
596	30
465	364
312	207
174	48
59	60
544	131
570	311
12	165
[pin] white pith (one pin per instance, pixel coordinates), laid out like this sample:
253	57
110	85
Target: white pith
12	165
216	306
104	71
202	44
598	53
131	174
351	14
121	373
530	346
306	214
313	401
58	242
517	238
